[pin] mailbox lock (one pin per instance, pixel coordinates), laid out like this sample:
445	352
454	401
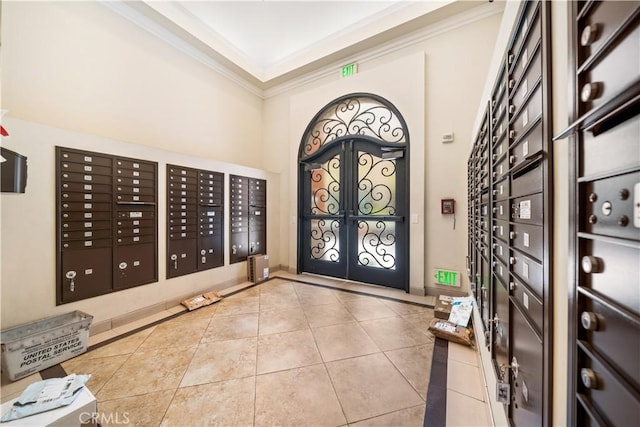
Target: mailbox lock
589	321
514	366
512	286
589	378
122	265
607	207
592	264
589	34
174	258
71	275
590	91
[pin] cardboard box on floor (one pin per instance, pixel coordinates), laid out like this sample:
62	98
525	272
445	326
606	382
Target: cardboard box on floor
201	300
442	309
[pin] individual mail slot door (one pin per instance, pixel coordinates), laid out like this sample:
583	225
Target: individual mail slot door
501	270
180	235
597	152
257	216
82	187
179	215
500	148
210	253
85	206
136	165
183	228
612	206
130	240
191	181
501	210
528	209
84	168
612	74
136	198
528	113
527	144
529	271
85	158
500	325
529	303
525	54
136	212
501	230
529	18
68	196
188	199
257	199
88	178
134	265
611	334
86	235
135	182
87	243
527	181
182	257
183	207
485	293
612	270
177	171
136	174
239	247
528	83
85	273
606	392
528	239
501	250
607	17
87	216
135	223
140	191
501	169
526	406
501	190
135	231
85	225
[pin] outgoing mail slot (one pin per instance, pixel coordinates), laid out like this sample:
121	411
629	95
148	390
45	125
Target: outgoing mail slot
528	209
529	271
93	273
87	178
527	113
529	303
612	206
89	196
85	158
617	274
612	335
82	187
134	265
84	168
528	239
136	165
605	392
527	385
527	182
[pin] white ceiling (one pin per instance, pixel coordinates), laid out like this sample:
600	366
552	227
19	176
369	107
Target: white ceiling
267	42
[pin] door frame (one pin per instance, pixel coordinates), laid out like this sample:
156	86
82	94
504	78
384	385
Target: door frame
340	121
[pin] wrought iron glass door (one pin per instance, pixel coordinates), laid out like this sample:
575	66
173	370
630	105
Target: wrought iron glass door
353	213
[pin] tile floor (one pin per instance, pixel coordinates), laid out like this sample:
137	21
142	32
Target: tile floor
283	353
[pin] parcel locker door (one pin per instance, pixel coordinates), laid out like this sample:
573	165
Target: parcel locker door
500	325
210	254
526	380
239	247
182	257
257	230
134	265
85	273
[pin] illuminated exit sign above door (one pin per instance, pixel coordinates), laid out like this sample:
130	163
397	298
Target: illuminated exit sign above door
349	70
446	277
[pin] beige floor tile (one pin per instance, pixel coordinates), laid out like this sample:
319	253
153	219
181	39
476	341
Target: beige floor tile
174	333
222	361
421	320
365	395
286	351
282	288
249	292
314	295
225	403
368	309
465	379
146	372
414	363
281	320
101	370
297	397
410	417
394	332
222	328
327	314
228	307
143	410
126	345
345	296
463	353
342	341
279	301
474	413
404	308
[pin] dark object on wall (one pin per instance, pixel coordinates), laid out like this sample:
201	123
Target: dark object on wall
14	171
248	225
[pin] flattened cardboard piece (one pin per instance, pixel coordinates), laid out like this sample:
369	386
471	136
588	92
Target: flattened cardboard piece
451	332
212	296
201	300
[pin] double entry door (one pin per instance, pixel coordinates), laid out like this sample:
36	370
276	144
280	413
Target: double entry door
353	213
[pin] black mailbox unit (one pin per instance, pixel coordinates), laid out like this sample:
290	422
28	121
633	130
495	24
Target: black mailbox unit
248	225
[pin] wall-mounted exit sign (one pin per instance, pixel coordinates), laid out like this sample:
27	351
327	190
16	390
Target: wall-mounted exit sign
349	70
446	277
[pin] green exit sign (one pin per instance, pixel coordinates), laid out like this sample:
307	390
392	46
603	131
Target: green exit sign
446	277
349	70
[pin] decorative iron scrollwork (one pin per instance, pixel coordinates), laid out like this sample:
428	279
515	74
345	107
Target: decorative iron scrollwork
376	185
376	244
325	240
325	188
